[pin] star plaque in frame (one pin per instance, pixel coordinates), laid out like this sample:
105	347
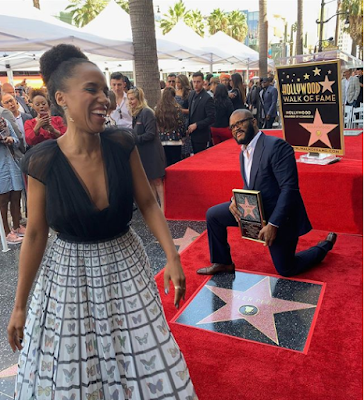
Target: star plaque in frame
249	203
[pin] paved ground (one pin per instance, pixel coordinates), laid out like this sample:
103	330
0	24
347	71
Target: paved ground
183	233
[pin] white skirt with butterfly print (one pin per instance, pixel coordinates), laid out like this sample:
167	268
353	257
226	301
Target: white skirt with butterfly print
96	329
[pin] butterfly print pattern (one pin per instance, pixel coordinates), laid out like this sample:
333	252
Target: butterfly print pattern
96	315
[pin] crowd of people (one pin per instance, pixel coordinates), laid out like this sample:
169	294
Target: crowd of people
192	115
95	308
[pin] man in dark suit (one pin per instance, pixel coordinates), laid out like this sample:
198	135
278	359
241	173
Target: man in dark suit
201	114
267	164
269	95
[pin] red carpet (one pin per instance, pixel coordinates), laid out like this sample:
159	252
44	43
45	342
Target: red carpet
332	193
223	367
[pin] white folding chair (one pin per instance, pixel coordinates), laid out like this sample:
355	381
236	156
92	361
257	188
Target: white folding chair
357	118
348	115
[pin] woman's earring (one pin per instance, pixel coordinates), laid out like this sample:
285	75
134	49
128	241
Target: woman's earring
66	108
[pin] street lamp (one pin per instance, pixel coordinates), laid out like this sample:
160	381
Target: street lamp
321	21
330	40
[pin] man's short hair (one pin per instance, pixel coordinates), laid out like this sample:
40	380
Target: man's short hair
196	74
172	74
117	75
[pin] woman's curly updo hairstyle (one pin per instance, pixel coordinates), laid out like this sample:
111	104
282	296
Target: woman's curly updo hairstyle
57	66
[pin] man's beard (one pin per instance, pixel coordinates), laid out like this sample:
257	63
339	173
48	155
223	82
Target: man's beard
249	134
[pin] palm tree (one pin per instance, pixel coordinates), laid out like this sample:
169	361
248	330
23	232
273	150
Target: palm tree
175	14
194	19
217	21
355	29
145	49
299	34
84	11
124	4
36	4
237	26
263	38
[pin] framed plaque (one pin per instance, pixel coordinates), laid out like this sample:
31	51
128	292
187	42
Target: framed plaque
249	203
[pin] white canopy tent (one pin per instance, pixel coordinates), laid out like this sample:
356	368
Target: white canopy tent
114	23
25	28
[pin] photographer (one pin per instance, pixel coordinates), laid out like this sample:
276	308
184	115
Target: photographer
44	126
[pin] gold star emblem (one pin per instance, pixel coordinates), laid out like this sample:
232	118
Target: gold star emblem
287	76
316	71
306	76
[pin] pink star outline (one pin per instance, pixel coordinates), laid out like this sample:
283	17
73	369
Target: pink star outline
259	296
319	130
189	236
248	208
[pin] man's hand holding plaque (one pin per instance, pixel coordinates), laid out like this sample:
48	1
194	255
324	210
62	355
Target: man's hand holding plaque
246	207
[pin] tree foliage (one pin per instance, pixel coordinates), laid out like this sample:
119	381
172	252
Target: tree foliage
175	14
84	11
237	26
355	29
194	20
124	4
217	21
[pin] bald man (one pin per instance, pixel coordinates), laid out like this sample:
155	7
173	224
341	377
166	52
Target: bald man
267	164
23	106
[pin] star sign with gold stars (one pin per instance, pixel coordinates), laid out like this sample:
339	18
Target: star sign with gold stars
306	76
255	305
326	84
319	130
247	208
316	71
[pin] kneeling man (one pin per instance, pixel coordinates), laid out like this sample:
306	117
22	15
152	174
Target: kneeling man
267	164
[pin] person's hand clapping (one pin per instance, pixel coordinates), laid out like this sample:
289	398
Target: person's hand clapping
173	272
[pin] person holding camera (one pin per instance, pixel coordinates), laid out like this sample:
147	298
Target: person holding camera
43	126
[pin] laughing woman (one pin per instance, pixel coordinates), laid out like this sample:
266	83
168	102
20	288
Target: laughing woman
96	320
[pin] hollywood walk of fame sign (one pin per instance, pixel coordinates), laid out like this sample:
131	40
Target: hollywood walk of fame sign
270	310
249	203
311	108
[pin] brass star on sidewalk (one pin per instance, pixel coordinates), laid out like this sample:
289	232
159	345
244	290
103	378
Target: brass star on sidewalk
319	130
255	305
326	84
189	236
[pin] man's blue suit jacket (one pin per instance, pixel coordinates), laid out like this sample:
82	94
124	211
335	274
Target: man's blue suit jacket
274	174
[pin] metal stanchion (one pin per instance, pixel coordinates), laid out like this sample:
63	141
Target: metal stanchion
3	236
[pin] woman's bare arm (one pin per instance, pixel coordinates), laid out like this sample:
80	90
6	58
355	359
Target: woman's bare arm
31	254
157	224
